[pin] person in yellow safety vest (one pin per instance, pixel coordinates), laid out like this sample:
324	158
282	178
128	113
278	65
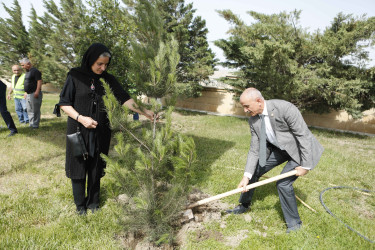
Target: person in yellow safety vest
17	88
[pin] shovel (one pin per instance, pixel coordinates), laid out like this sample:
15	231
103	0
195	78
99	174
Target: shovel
189	213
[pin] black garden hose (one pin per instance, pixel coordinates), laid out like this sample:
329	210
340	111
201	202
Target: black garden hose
329	211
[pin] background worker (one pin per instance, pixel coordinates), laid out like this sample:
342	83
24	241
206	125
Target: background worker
33	88
17	88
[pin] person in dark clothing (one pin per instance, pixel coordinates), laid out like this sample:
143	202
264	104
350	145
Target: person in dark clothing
33	88
81	99
4	111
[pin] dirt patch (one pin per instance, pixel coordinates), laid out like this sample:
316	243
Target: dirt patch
213	211
205	235
195	226
210	212
234	241
137	242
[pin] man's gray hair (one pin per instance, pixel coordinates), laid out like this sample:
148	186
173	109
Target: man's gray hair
105	54
253	93
25	60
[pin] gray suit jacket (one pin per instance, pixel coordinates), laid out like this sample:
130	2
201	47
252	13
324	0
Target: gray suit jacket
292	135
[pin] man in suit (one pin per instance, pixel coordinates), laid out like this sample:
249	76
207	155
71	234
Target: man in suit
286	137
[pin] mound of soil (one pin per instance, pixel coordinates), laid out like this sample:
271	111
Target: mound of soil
212	211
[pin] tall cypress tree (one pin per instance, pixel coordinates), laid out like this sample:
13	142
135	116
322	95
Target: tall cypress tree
67	40
14	39
196	58
39	31
155	53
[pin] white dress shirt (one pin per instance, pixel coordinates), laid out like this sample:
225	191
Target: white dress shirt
269	131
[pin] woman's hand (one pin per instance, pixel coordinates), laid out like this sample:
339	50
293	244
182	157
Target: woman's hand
149	114
87	121
133	106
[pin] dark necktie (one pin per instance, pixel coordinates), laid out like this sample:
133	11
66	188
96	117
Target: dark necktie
262	143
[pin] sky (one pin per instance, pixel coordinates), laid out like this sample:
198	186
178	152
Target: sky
316	14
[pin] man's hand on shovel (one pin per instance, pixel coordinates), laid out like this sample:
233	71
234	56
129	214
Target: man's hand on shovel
243	183
301	171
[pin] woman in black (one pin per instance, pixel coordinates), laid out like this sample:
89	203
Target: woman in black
81	99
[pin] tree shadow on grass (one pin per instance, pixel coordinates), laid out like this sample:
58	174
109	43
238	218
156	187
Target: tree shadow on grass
208	151
337	134
185	112
51	133
47	131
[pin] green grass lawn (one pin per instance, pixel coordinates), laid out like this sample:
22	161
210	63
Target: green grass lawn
37	210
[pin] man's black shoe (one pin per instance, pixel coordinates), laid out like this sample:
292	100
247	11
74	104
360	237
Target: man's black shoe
240	209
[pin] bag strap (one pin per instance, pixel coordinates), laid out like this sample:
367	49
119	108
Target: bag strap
81	142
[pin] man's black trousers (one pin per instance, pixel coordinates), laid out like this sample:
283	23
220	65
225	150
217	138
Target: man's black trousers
284	186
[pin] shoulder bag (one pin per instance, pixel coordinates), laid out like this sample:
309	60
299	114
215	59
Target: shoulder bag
77	144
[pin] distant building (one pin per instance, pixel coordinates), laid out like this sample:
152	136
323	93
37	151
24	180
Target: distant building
214	80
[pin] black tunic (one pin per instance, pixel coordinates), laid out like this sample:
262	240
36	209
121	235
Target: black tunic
87	101
31	80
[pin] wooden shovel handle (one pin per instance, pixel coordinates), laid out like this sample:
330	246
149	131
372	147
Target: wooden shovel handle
239	190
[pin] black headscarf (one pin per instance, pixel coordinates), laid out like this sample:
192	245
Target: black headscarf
91	55
84	73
